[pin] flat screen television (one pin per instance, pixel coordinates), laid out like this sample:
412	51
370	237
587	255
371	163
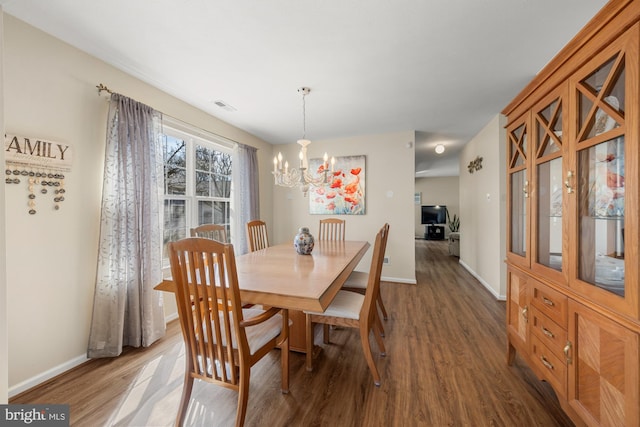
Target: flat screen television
434	214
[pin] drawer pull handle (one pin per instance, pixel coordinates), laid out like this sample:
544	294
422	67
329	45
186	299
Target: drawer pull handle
547	332
548	301
546	363
525	314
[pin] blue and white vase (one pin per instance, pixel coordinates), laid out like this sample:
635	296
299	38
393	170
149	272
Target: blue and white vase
303	241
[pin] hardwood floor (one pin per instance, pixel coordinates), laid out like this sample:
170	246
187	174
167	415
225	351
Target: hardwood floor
445	366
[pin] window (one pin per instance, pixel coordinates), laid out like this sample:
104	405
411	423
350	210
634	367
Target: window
197	183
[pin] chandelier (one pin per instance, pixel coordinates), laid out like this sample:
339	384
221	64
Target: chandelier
285	176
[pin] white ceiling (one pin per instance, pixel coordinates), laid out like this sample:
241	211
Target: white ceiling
441	67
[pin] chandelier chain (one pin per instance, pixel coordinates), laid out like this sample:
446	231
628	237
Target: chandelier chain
304	117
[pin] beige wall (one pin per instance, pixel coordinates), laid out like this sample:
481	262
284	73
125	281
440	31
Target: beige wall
4	353
436	191
483	208
389	198
51	258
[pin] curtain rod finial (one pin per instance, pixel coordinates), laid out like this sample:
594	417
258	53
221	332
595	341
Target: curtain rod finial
102	88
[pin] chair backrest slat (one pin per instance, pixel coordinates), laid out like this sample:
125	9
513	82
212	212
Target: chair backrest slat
332	229
257	235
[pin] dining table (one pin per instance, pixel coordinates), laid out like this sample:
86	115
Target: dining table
278	276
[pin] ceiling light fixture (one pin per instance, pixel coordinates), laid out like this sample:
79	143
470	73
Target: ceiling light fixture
286	177
439	148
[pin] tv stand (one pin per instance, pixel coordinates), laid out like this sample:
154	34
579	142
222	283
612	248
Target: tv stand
434	232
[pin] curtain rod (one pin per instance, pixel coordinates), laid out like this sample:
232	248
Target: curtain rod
103	88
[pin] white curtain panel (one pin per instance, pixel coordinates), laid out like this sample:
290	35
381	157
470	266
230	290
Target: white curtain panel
246	194
127	311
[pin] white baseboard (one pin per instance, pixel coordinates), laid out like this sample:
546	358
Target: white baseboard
398	280
483	282
395	279
170	317
47	375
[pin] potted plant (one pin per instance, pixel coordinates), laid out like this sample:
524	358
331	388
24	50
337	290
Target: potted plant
454	224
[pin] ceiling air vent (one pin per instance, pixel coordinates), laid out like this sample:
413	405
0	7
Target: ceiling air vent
224	105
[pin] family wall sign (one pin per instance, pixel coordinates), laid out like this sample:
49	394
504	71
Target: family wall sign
40	164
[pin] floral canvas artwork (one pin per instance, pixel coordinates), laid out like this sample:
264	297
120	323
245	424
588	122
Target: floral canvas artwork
345	192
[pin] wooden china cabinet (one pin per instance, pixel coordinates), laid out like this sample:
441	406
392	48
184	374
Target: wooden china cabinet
573	251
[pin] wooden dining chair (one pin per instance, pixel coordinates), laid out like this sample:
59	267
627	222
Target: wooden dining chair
222	340
211	231
354	310
357	282
332	229
257	235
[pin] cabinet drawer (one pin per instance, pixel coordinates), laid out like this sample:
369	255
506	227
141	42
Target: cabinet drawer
550	302
549	366
548	332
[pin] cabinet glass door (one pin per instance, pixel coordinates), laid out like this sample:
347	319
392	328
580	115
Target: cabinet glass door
601	215
519	218
549	184
518	192
601	173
